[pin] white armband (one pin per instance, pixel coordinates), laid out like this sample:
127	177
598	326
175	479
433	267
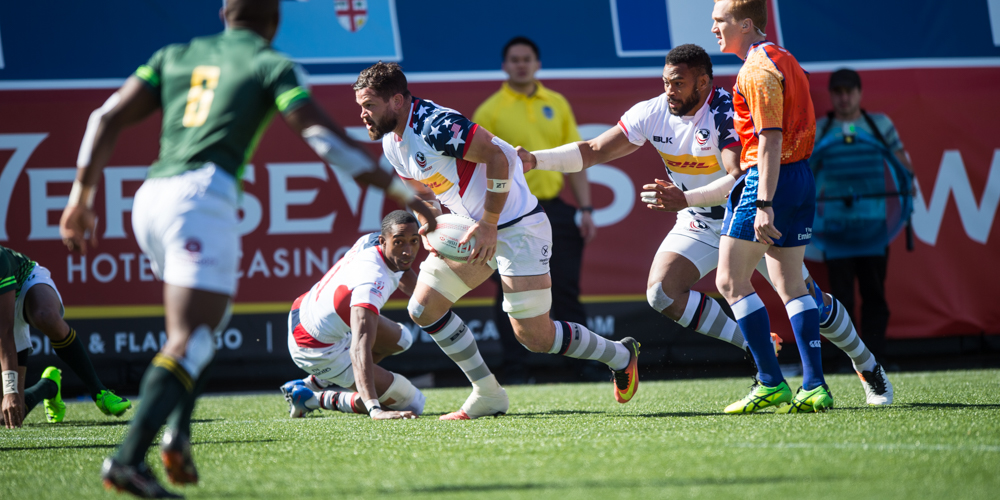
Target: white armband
337	152
9	382
87	146
82	194
713	194
566	158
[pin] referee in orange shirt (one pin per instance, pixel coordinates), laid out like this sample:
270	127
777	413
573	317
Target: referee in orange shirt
525	113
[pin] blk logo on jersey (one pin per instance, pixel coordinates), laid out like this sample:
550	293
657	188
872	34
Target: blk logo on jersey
702	136
668	140
421	160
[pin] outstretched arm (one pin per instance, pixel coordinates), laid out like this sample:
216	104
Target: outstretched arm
610	145
364	325
133	102
665	196
331	143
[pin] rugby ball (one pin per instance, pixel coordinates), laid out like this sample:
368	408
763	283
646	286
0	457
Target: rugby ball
450	230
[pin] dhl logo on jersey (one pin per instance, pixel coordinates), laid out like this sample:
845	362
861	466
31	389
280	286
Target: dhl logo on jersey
690	164
438	183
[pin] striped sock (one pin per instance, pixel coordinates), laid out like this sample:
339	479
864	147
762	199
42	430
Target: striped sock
804	317
839	330
342	401
705	316
756	327
315	384
576	341
457	342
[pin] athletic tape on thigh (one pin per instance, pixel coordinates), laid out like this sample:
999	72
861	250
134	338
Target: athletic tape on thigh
435	273
522	305
657	299
199	351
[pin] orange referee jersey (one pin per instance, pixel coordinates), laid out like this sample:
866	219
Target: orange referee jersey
772	93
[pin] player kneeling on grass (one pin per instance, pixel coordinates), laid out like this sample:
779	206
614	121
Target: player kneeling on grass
336	334
29	297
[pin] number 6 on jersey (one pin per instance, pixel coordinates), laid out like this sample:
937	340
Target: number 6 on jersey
204	79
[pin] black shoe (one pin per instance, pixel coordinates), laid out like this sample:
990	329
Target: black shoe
175	450
138	480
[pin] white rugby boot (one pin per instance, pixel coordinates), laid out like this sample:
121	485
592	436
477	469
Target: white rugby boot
878	389
482	402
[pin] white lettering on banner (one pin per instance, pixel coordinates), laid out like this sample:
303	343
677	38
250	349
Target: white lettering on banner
23	145
489	330
251	211
42	204
602	325
320	263
977	218
282	198
132	342
115	202
258	265
104	267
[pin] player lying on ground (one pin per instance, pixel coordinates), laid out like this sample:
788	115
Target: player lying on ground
336	334
448	159
34	301
697	118
217	94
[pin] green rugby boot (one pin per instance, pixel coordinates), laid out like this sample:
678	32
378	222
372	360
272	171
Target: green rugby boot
760	397
112	404
814	401
55	409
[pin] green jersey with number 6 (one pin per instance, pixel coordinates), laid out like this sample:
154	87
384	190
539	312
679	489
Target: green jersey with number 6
218	95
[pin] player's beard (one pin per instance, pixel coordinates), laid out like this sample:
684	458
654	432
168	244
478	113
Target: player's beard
384	126
687	105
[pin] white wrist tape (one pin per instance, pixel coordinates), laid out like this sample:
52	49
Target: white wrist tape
566	158
713	194
82	194
503	185
9	382
337	152
399	191
87	146
372	405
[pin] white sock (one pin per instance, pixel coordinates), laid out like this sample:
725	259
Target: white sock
576	341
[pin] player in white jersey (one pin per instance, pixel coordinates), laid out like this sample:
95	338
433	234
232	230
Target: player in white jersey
336	334
691	127
446	158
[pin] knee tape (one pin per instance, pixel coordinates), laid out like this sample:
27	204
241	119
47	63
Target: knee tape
435	273
199	351
403	396
405	338
657	299
522	305
416	309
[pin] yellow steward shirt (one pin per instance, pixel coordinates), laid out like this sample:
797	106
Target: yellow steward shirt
542	120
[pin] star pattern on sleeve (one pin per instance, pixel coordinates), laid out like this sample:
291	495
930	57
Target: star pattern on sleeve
722	113
445	130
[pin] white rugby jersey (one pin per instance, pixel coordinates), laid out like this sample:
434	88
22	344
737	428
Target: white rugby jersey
432	151
361	278
689	145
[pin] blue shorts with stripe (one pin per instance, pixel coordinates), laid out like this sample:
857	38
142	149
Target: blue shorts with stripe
794	205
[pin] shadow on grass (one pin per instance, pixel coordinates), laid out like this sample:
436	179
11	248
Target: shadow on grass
602	484
115	445
665	414
102	423
920	406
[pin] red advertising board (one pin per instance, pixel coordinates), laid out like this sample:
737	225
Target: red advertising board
299	217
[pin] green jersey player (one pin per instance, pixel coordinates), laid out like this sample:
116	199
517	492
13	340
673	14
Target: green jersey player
217	94
29	297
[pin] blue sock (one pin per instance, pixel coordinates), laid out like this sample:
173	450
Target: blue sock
756	327
804	316
824	310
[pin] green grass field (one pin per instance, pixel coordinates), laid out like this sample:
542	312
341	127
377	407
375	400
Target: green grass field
941	439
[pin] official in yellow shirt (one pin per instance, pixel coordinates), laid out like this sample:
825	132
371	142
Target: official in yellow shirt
525	113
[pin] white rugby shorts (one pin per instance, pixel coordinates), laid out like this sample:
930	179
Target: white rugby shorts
331	363
186	225
525	248
22	331
697	240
